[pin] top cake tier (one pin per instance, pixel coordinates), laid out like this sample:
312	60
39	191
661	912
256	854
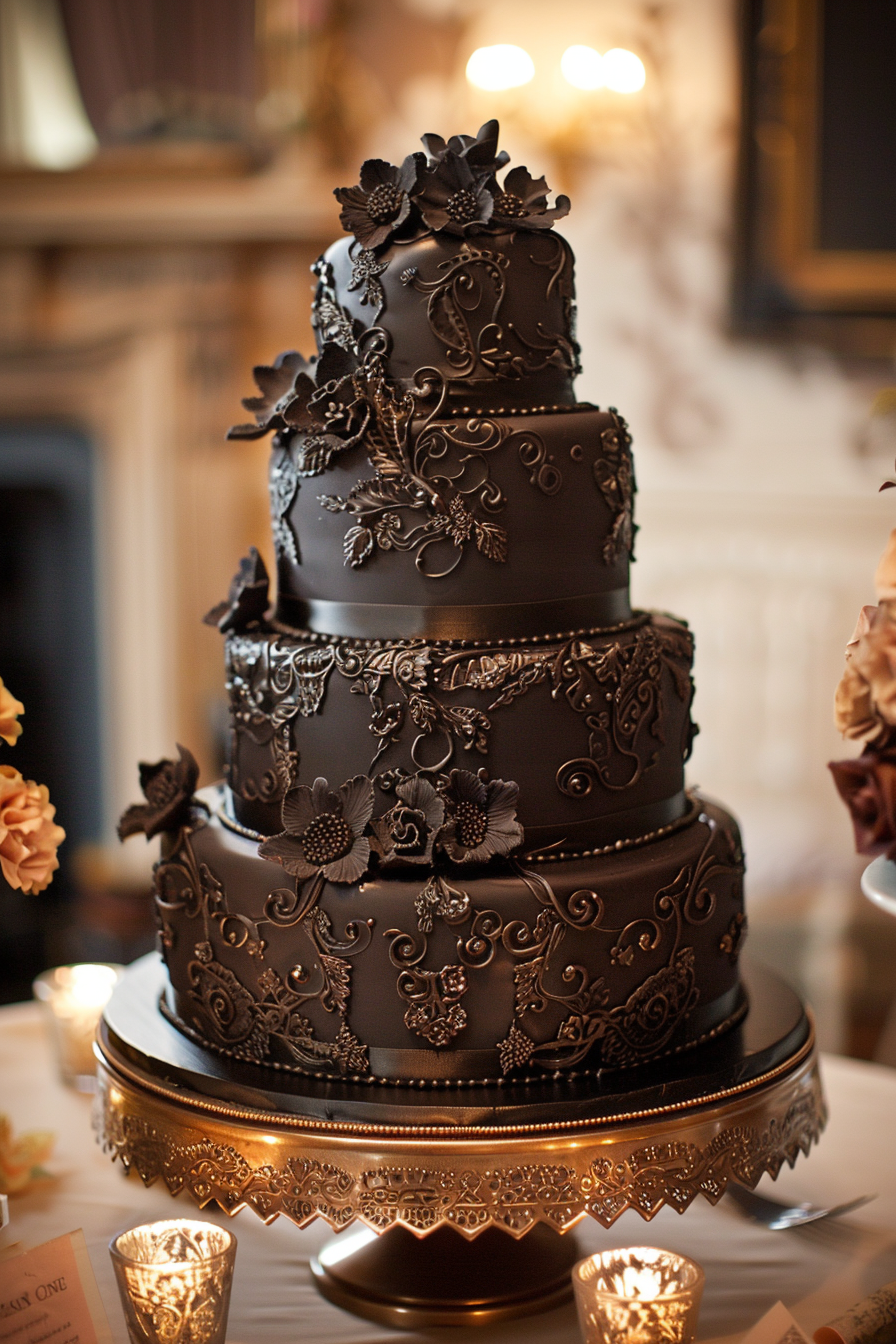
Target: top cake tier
432	475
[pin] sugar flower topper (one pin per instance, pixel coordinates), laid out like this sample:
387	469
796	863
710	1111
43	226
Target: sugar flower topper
452	189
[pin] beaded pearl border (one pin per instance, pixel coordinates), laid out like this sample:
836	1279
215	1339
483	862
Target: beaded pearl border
638	619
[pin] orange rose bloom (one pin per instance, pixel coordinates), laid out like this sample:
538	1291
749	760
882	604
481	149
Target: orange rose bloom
10	709
29	837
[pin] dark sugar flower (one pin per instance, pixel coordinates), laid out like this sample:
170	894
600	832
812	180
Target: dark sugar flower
867	785
451	199
247	600
381	204
522	202
479	150
324	831
168	787
279	384
480	818
405	834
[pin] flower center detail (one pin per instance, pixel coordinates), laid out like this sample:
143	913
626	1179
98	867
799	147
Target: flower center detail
163	788
384	202
328	838
463	206
471	825
508	205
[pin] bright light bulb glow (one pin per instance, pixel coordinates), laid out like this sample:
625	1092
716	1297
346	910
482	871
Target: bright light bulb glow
623	71
500	67
582	67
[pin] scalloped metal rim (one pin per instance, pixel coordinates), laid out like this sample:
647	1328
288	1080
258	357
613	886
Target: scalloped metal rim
468	1178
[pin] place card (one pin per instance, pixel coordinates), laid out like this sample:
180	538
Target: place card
776	1327
49	1295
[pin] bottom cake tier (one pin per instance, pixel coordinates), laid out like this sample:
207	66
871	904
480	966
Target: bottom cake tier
531	966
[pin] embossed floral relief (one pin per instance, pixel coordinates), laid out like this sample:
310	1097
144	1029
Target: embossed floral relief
615	686
562	1014
272	1021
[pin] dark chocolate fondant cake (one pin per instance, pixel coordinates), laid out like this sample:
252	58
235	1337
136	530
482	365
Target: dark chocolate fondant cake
454	843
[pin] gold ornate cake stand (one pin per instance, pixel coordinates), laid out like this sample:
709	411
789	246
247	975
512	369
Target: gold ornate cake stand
465	1198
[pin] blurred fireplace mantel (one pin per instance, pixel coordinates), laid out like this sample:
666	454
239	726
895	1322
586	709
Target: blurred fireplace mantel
136	293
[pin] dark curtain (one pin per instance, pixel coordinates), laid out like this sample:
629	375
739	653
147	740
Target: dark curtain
150	68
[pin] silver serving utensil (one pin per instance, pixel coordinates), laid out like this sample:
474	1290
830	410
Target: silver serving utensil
776	1216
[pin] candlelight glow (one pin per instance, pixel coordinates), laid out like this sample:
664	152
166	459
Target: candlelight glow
638	1295
174	1279
74	998
500	67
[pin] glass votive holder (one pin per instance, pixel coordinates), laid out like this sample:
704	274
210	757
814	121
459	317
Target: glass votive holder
174	1278
638	1295
74	998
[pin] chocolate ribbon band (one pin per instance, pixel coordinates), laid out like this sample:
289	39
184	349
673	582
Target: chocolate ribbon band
615	829
510	620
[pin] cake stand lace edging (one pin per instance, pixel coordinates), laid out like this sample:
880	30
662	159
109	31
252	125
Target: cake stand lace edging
519	1185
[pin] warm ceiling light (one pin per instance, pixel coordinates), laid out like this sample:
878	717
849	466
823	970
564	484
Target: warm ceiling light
500	67
623	71
582	67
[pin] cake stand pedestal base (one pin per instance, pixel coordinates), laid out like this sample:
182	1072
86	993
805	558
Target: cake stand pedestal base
398	1280
467	1195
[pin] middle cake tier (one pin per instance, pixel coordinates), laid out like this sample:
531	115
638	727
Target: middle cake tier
494	523
593	726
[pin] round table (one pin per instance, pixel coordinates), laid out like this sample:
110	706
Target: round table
817	1271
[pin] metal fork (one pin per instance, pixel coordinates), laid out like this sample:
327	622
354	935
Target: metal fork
776	1216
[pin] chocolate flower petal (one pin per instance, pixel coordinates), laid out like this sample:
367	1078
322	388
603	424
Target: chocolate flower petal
377	173
357	802
323	798
247	600
168	787
286	850
435	147
298	810
351	866
419	794
274	383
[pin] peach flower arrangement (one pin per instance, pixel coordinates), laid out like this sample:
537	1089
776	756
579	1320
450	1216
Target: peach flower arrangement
29	837
865	708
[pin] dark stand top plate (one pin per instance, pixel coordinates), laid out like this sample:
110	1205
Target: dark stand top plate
774	1031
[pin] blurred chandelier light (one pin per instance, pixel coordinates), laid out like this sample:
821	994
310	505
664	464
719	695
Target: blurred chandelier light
619	70
582	67
500	67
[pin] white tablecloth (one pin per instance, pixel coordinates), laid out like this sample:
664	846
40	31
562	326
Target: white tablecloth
817	1271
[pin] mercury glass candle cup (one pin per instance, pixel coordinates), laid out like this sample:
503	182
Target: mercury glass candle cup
74	998
638	1295
174	1278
